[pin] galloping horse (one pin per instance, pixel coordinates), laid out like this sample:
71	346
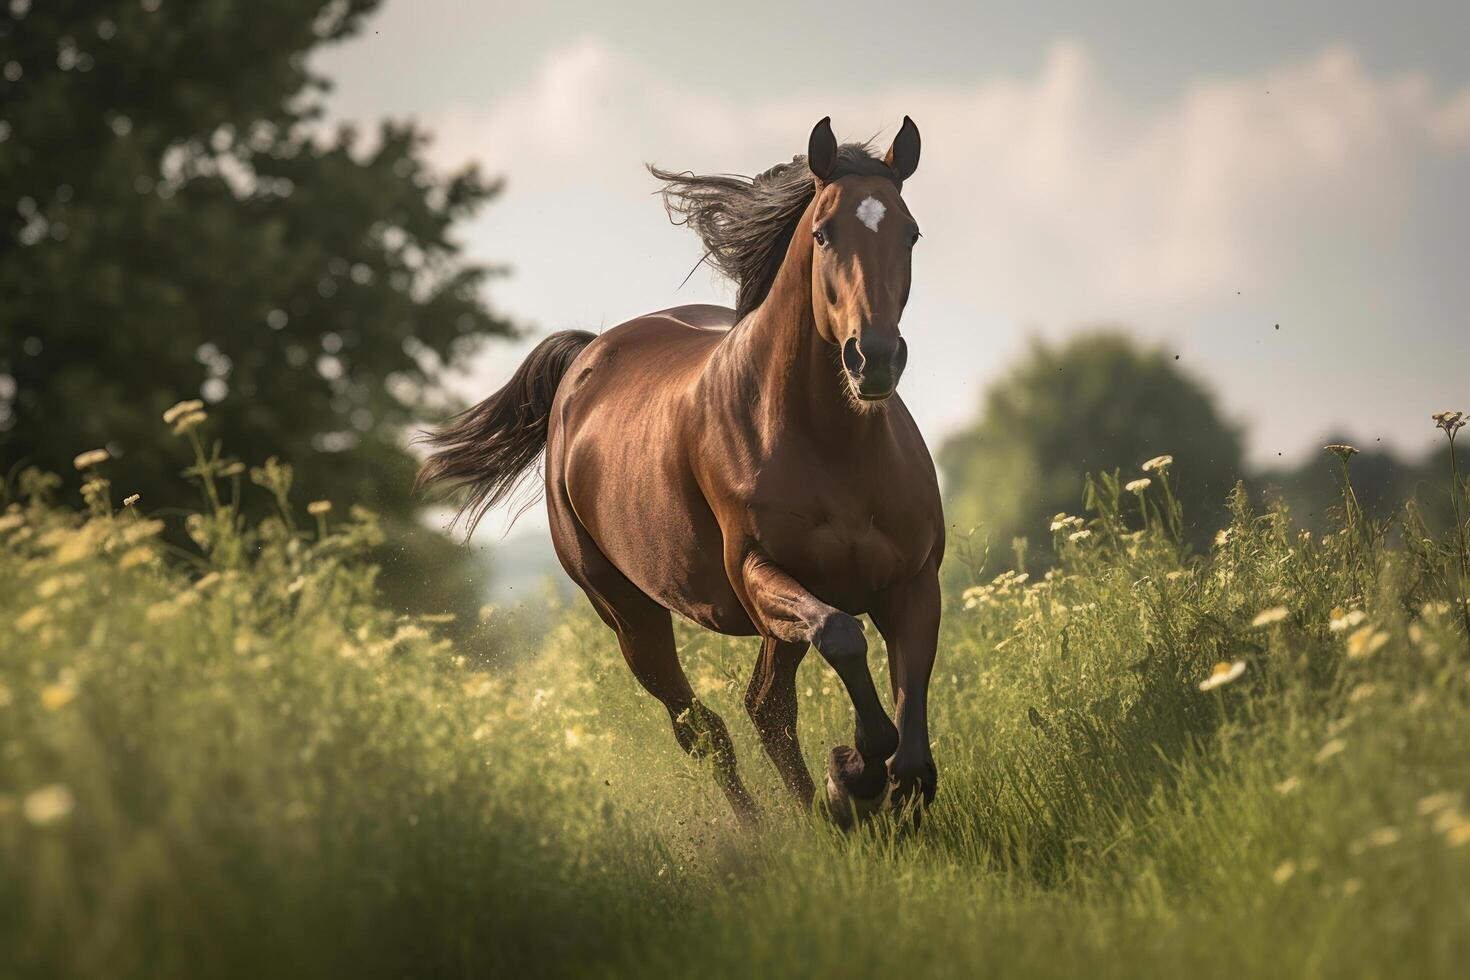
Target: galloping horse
750	469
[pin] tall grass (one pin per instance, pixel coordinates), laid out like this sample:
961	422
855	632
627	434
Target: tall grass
230	761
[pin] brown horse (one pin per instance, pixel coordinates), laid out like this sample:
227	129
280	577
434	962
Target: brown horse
749	469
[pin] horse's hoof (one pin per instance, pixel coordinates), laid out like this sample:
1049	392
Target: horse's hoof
847	809
840	637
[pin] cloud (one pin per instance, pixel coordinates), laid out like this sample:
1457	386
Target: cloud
1292	194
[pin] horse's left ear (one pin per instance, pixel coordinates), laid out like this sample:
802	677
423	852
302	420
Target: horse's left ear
903	155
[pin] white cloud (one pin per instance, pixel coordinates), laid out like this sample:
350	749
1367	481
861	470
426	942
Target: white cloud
1281	196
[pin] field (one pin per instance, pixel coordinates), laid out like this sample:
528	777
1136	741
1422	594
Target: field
229	760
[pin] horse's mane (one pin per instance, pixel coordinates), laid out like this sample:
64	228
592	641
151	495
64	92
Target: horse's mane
746	223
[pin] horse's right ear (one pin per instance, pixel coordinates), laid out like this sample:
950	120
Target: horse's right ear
821	150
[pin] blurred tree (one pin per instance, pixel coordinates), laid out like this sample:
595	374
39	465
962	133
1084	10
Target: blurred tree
178	223
1383	482
1095	403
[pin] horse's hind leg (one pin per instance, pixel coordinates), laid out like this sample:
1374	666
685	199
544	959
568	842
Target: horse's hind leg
771	701
646	635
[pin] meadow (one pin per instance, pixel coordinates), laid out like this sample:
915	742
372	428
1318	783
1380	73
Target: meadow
230	759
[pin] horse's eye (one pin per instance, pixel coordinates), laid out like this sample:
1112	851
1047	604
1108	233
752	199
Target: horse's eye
820	237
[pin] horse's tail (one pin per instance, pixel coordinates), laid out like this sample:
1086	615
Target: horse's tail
488	449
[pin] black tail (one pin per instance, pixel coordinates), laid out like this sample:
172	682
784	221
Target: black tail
486	450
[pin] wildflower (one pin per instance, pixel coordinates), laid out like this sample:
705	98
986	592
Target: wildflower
49	804
1288	786
1366	642
1283	872
1268	616
1062	522
1342	450
1379	837
1342	621
1330	749
1450	422
1138	486
1458	835
574	736
1435	802
135	556
181	409
1077	536
1159	463
131	499
319	508
30	619
10	522
1222	536
56	696
188	422
1222	674
90	458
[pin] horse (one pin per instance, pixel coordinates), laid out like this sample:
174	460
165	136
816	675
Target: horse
750	469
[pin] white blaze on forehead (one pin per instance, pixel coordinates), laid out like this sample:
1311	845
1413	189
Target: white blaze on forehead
870	212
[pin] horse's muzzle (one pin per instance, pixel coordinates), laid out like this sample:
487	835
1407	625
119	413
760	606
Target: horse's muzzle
874	368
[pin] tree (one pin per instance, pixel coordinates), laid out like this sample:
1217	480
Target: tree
187	227
1096	403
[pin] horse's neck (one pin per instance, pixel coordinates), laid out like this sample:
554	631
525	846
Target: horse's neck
795	373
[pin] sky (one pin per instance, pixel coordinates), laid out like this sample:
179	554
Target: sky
1276	193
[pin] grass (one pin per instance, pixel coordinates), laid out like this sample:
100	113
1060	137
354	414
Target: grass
230	761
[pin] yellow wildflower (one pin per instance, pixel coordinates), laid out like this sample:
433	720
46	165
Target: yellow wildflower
1138	486
131	499
1366	642
90	458
135	556
1267	617
181	409
1222	674
319	508
58	695
1159	463
49	804
188	422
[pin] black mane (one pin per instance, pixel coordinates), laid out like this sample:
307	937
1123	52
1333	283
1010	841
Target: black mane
746	223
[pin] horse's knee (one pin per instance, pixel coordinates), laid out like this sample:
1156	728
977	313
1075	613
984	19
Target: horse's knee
839	637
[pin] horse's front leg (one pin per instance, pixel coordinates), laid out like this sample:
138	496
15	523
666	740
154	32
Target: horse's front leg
857	777
908	618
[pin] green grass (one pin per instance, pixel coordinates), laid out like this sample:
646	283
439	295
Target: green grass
230	761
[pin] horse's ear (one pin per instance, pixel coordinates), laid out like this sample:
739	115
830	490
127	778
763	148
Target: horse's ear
903	155
821	150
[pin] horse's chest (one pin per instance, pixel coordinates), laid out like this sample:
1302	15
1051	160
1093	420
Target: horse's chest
841	553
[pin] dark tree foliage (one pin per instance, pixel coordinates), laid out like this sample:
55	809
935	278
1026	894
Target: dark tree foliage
177	222
1097	403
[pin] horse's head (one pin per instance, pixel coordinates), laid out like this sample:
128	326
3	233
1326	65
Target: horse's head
863	238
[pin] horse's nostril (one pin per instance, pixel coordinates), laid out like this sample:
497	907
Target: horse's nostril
852	358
